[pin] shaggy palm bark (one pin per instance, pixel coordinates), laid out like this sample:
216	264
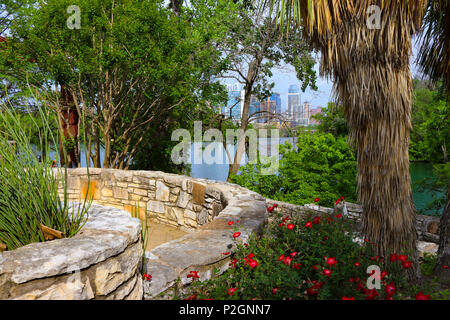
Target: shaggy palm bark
443	256
372	80
434	61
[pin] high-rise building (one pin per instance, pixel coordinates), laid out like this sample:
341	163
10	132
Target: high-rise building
272	105
293	104
314	112
235	102
254	108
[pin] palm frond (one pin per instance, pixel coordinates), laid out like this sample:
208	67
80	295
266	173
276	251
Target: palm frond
434	53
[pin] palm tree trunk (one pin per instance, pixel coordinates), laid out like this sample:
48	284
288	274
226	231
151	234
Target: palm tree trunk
443	256
378	111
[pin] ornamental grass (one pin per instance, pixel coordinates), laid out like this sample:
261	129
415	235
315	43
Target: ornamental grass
29	197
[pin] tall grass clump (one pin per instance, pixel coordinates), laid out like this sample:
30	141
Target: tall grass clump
29	195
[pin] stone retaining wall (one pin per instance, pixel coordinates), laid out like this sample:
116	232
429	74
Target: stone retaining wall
172	199
108	249
101	262
201	207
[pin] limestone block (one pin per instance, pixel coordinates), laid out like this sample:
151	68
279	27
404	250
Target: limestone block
202	217
73	288
162	191
198	193
111	273
155	206
141	192
183	199
120	193
107	192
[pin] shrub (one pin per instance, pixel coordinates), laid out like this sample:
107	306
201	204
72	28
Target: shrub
308	257
321	164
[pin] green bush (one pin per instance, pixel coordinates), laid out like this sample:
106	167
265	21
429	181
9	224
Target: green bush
28	186
308	258
321	165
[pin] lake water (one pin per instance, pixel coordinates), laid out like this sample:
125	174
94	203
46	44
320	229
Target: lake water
219	172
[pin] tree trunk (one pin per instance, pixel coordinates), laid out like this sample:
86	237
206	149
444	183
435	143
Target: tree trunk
380	126
443	255
240	150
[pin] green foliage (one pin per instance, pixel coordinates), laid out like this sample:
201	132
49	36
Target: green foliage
431	122
320	165
29	188
290	261
332	120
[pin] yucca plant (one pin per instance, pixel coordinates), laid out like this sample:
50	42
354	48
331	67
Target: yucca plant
29	197
372	81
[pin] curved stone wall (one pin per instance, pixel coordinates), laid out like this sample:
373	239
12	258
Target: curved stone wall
108	250
201	207
101	262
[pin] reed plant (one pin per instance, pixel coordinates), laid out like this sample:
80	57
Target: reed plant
29	186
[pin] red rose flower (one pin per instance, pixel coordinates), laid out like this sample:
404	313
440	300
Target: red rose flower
193	274
275	205
225	253
270	209
287	261
421	296
327	272
357	264
390	289
342	198
290	226
293	254
402	258
312	291
231	291
280	258
147	277
281	224
274	290
383	274
308	224
316	220
236	234
316	199
316	267
393	257
371	294
331	261
230	223
253	263
339	215
296	266
407	264
251	255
